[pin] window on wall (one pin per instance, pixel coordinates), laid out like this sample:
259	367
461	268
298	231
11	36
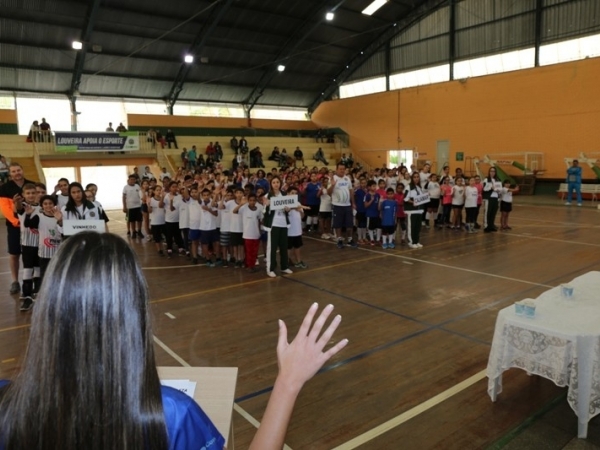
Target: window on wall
56	111
208	109
264	112
95	114
487	65
144	107
364	87
420	77
571	50
7	101
396	158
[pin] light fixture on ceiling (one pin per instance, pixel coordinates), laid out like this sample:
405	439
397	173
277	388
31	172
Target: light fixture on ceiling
188	59
330	15
369	10
280	67
77	45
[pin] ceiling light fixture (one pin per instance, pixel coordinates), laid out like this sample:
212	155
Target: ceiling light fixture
77	45
188	59
280	67
329	16
369	10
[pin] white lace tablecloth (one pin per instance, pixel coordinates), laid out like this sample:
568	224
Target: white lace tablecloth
561	343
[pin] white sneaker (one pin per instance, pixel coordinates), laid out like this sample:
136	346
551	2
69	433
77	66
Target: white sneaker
288	271
413	246
578	204
568	203
271	274
419	245
324	236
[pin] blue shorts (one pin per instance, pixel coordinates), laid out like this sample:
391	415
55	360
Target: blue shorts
194	235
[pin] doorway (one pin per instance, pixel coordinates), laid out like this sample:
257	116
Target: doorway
443	154
396	158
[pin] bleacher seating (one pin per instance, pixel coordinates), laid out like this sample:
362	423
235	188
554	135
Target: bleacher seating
307	145
588	191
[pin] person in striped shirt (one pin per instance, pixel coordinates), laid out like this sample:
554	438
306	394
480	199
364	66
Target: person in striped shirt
29	246
48	222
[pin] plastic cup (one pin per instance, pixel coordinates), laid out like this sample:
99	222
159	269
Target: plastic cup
519	308
567	290
529	309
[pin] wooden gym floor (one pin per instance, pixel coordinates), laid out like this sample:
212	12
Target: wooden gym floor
420	324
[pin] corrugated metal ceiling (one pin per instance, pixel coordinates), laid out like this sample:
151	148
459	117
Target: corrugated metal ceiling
136	47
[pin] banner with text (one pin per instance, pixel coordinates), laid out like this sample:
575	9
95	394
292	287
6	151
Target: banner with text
67	141
286	201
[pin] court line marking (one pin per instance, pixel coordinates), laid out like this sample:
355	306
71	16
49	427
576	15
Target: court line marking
564	241
262	280
463	269
241	411
170	316
17	327
186	266
8	360
411	413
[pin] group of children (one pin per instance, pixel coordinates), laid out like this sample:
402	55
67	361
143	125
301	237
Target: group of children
41	226
222	224
219	217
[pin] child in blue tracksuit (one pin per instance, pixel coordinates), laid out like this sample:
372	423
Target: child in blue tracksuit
388	209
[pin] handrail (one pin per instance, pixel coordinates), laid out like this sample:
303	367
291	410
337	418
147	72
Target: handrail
38	164
172	169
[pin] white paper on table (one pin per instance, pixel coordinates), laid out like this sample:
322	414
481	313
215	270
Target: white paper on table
186	386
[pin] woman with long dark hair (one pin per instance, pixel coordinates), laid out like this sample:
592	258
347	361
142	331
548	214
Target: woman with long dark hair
89	380
78	207
491	192
276	222
413	207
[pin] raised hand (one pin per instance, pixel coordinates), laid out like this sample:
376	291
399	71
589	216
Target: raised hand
57	214
301	359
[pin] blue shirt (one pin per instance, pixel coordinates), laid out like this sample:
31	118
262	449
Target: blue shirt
188	427
373	209
311	191
359	200
388	213
262	183
574	175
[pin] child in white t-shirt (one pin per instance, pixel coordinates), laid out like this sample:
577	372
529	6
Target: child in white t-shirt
156	211
251	213
325	209
506	199
295	232
471	196
194	212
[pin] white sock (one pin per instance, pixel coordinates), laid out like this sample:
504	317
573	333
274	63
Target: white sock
371	235
378	234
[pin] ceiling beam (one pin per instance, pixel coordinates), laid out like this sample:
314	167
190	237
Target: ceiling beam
297	38
422	9
86	34
210	24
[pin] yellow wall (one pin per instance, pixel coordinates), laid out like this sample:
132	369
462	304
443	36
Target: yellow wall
553	109
8	116
215	122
